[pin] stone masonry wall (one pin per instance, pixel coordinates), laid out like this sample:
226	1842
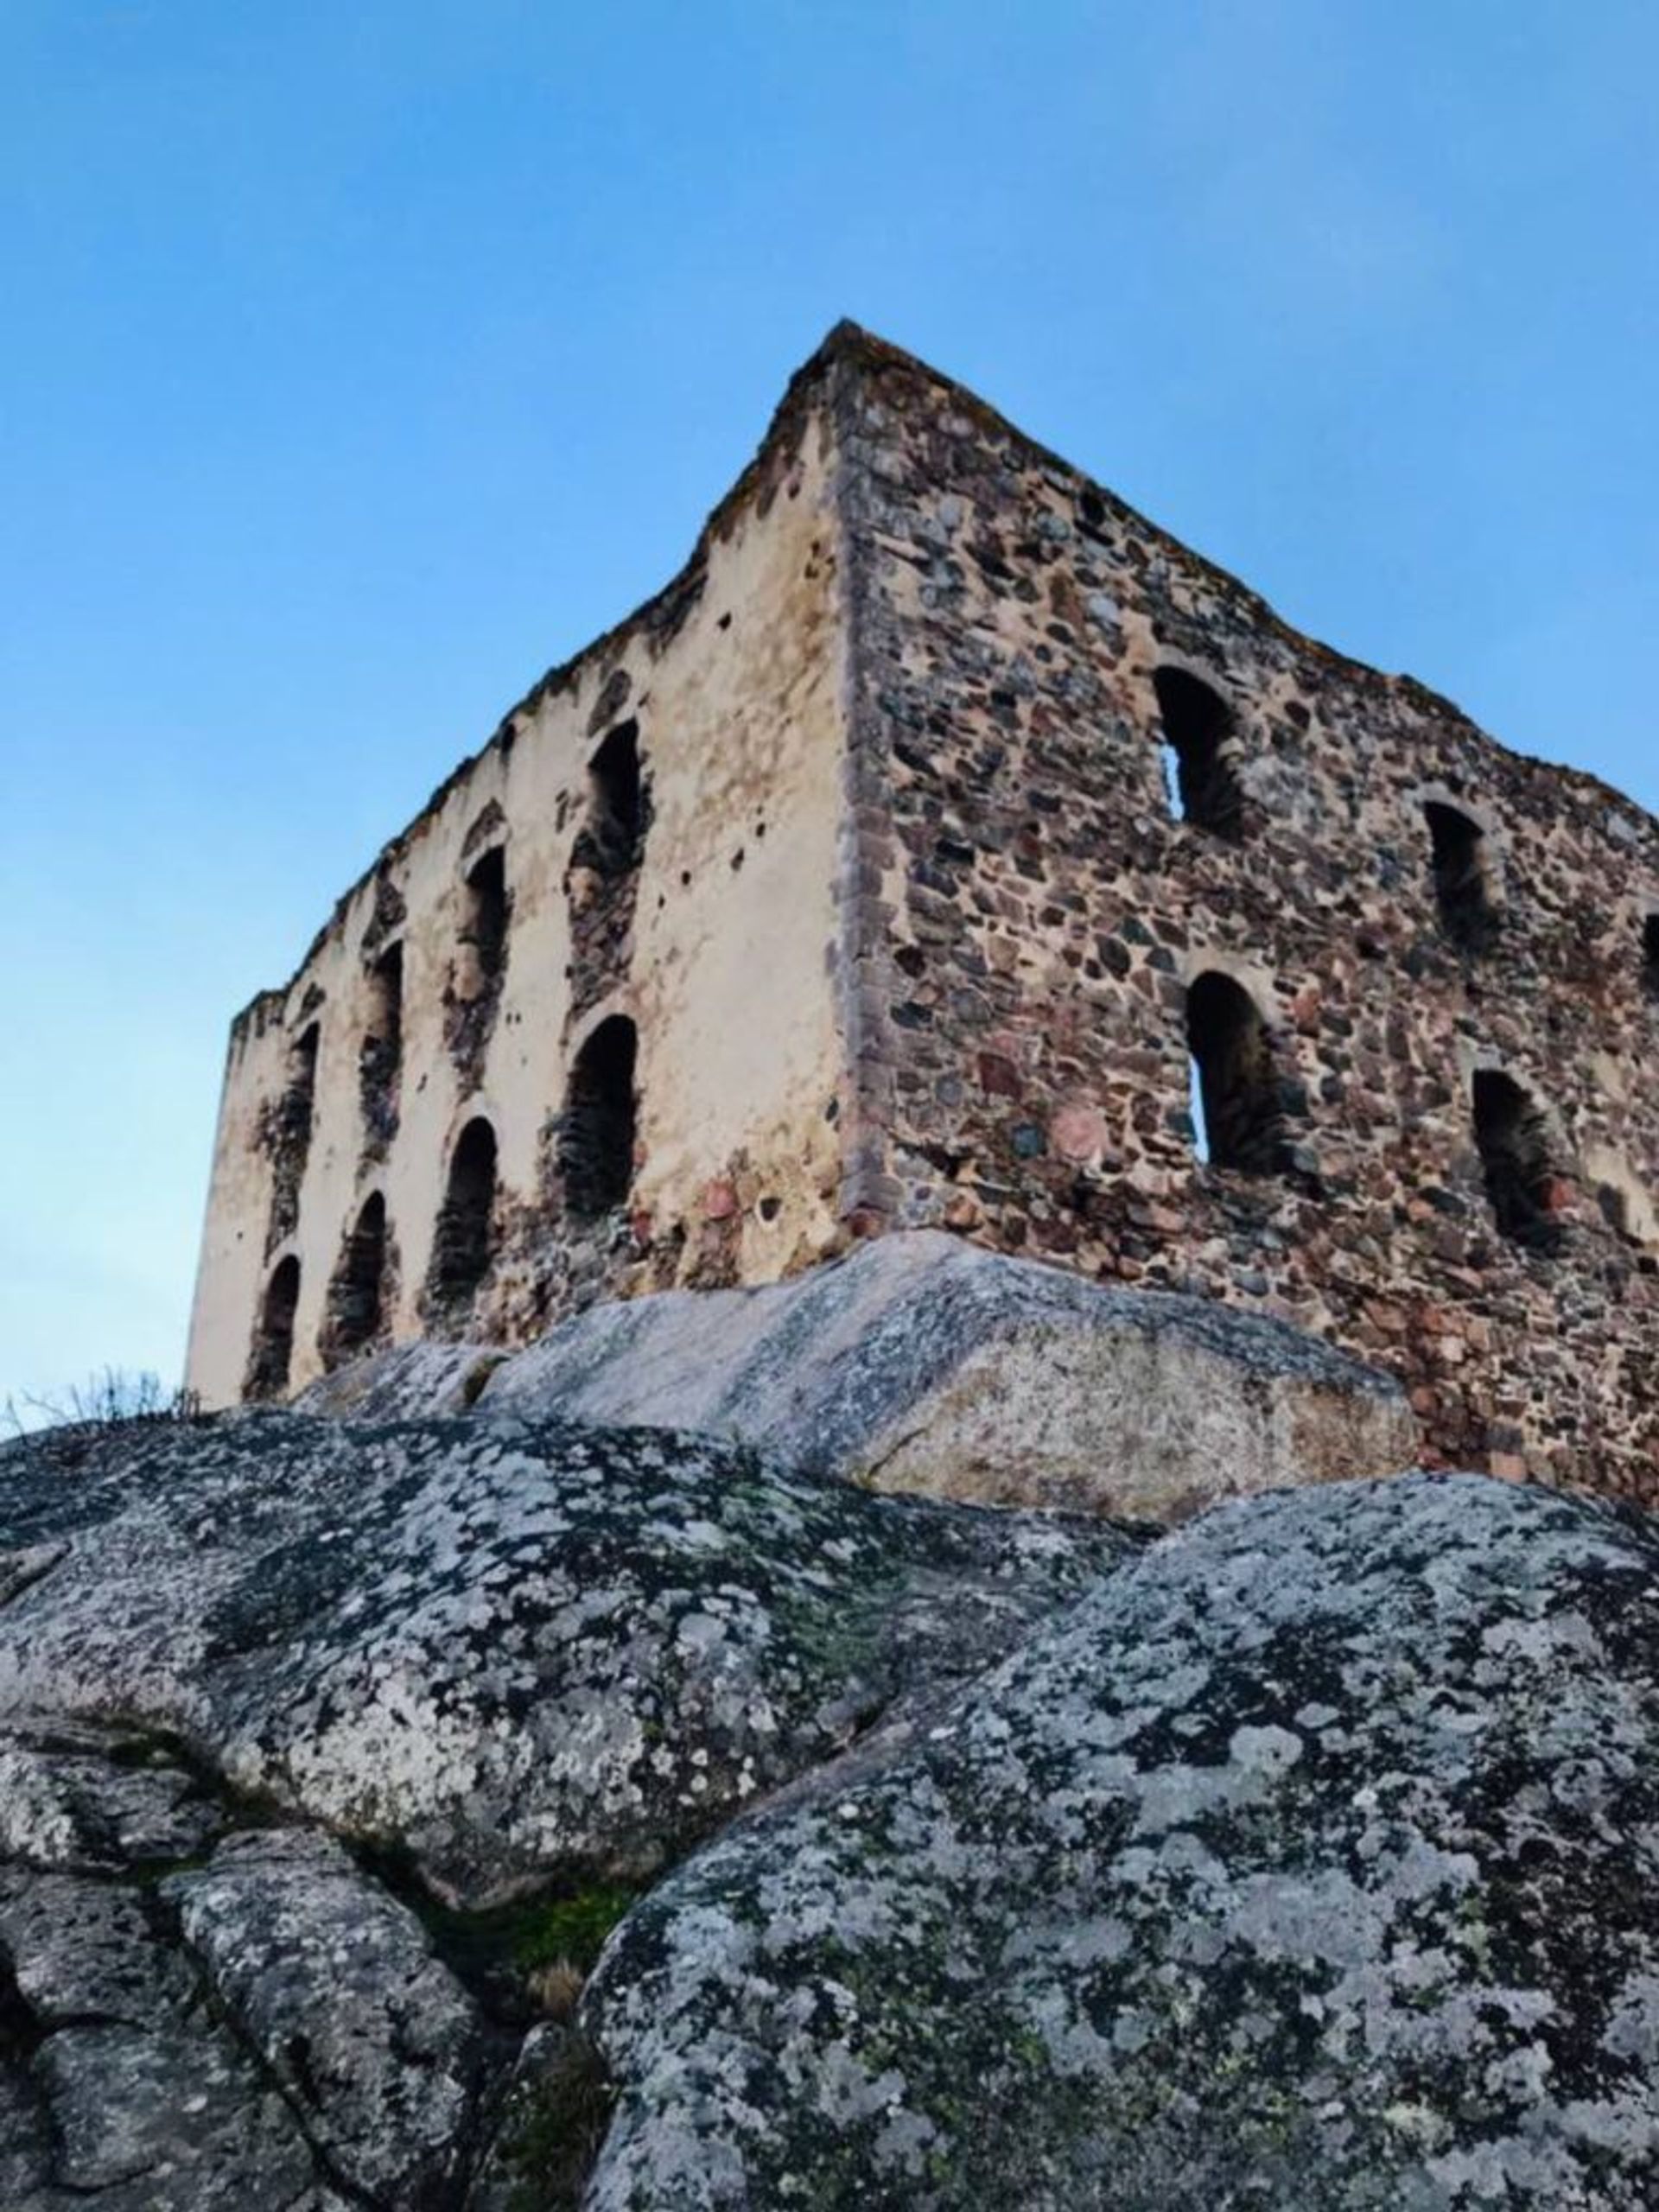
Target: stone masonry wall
891	896
1034	915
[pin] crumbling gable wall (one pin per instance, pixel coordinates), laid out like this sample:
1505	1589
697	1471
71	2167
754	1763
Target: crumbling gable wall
1039	915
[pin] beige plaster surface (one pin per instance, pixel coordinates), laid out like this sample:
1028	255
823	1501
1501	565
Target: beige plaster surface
728	975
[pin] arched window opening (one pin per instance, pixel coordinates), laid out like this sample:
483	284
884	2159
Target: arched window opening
472	997
1650	954
596	1134
1463	880
273	1335
616	802
1199	776
1239	1123
381	1053
462	1243
1514	1154
357	1290
483	922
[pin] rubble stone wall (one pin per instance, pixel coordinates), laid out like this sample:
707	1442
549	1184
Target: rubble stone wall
1042	913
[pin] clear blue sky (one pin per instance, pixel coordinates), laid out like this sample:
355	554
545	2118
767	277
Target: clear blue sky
360	361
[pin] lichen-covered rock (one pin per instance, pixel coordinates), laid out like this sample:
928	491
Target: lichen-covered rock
921	1363
121	2087
371	2039
506	1652
1301	1859
64	1805
84	1950
412	1382
515	1648
1309	1863
25	2150
168	2118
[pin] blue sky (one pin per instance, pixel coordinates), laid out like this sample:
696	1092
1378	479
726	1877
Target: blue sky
358	363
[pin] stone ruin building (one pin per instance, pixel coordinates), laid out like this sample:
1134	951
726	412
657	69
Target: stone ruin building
947	845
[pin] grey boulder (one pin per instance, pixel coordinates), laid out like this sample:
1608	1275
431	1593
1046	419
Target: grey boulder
412	1382
1308	1863
518	1650
370	2039
126	2082
921	1363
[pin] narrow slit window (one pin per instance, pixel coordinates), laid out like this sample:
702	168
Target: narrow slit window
273	1338
1201	781
1515	1155
1170	762
382	1051
287	1135
616	802
1237	1123
1195	1108
463	1245
1463	881
300	1093
596	1138
384	1028
1650	954
484	926
357	1292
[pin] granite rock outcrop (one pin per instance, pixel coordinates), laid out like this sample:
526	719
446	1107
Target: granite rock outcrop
484	1812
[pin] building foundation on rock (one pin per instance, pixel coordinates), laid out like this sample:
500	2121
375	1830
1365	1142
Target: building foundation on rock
947	846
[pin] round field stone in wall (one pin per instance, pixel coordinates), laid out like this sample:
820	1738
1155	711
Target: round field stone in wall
1078	1132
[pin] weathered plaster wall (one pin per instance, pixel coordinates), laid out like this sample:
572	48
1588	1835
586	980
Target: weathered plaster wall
720	952
1036	915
